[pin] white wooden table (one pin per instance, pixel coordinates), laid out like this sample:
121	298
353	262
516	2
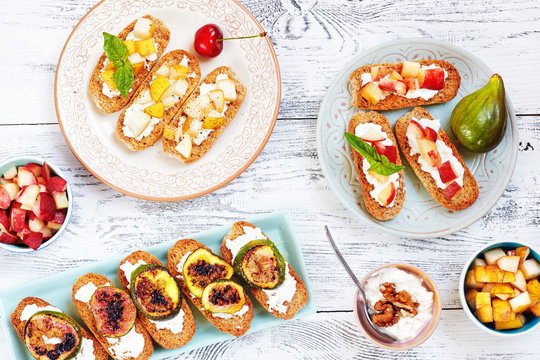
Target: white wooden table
314	39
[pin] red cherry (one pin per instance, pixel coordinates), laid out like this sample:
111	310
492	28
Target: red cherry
209	40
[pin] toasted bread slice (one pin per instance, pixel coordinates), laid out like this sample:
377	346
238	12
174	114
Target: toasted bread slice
469	192
372	205
163	336
300	296
95	88
235	325
394	101
83	308
169	146
174	57
19	324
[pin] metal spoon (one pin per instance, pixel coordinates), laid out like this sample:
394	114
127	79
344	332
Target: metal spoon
362	301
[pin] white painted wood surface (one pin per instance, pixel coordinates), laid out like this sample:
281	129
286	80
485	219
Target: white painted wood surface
313	40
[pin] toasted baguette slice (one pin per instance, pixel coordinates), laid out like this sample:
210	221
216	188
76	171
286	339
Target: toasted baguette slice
469	192
171	58
169	146
164	337
299	298
372	205
18	324
83	308
235	325
394	101
95	89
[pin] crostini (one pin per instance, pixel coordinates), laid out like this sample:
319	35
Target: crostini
169	321
204	116
206	280
111	316
270	278
145	39
435	160
382	182
397	85
62	336
158	98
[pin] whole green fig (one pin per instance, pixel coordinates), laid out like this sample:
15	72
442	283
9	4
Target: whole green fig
479	119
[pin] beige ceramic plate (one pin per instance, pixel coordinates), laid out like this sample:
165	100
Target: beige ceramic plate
150	174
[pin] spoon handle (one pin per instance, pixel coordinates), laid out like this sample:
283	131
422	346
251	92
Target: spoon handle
342	260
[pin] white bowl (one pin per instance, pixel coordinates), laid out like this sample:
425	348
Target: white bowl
23	160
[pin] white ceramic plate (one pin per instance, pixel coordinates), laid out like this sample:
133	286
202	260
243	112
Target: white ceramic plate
421	216
151	174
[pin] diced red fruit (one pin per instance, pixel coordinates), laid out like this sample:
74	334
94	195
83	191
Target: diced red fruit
435	157
410	83
35	168
391	153
451	190
61	200
433	79
5	198
410	69
428	151
380	148
4	221
17	218
46	232
45	207
371	92
26	177
372	136
12	189
446	172
33	239
393	86
56	184
8	238
10	173
378	72
430	134
59	218
45	171
415	129
387	194
28	196
35	224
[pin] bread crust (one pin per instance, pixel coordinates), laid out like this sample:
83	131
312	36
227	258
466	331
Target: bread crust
467	195
300	297
171	58
169	146
88	318
99	352
394	101
112	104
372	205
236	325
164	337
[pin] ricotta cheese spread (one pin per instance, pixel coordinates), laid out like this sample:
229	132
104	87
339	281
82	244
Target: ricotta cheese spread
128	269
444	150
240	312
407	327
284	292
180	266
359	131
30	310
174	324
250	234
135	111
51	341
205	88
130	345
85	292
87	350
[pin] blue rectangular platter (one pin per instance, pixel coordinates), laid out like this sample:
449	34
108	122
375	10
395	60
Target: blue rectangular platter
57	289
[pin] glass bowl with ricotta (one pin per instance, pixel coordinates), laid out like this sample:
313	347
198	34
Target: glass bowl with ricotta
406	302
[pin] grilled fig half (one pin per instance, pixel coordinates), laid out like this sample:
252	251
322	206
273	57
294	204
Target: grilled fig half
201	268
260	264
51	335
155	292
223	296
114	312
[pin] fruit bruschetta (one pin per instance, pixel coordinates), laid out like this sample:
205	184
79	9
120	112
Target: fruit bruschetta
381	179
435	160
411	83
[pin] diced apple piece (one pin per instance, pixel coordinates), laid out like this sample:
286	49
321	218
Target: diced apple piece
393	86
28	196
470	280
486	274
491	256
387	194
507	325
523	252
61	200
371	93
218	98
145	47
229	89
535	308
157	110
520	282
45	207
479	262
410	69
158	87
33	239
502	310
179	87
530	269
415	130
10	173
138	122
380	178
521	302
35	224
378	72
394	75
482	299
533	287
433	79
184	147
428	152
470	296
446	172
144	28
56	184
26	177
213	120
177	72
163	70
108	79
508	263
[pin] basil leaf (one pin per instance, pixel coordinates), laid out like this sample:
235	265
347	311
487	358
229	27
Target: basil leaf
123	77
114	48
378	163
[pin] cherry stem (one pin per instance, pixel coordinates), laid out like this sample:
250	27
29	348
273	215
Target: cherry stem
244	37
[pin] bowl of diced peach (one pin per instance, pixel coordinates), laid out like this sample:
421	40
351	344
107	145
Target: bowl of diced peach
500	289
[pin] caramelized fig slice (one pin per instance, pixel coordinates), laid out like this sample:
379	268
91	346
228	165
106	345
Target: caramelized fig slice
114	312
260	264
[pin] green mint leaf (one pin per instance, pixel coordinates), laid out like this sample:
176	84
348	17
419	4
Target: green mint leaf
114	48
378	163
123	77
